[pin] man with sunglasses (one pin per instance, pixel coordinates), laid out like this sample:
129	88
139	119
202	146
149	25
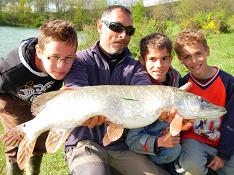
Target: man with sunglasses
107	62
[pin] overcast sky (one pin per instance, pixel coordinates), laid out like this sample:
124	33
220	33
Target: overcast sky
121	2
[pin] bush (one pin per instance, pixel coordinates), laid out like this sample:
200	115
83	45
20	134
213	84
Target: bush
142	29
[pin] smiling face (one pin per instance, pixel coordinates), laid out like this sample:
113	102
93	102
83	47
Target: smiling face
114	42
157	63
55	50
194	57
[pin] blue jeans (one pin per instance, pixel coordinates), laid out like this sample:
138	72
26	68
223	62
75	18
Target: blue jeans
194	158
166	155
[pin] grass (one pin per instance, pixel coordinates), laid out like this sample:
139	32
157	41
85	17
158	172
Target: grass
221	55
52	164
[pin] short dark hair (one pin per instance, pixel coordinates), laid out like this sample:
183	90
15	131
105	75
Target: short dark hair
58	30
189	37
109	9
154	40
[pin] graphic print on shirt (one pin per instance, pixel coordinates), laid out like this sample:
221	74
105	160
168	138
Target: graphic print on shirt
207	128
30	90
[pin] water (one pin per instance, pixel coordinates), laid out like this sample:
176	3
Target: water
10	37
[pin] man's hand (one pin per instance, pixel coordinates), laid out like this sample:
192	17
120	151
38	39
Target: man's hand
95	121
216	164
168	141
67	88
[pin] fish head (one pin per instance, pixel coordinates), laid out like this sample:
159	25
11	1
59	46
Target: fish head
191	106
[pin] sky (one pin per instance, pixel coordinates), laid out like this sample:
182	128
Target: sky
146	3
122	2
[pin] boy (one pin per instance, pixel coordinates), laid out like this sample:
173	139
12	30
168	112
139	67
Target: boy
37	66
208	146
155	140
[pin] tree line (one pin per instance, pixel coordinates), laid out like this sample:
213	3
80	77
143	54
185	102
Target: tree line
212	16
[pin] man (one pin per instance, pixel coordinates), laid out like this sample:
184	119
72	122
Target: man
107	62
37	66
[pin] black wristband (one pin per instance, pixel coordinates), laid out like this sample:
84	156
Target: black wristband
156	148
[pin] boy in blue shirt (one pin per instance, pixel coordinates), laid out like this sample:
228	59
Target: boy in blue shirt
155	140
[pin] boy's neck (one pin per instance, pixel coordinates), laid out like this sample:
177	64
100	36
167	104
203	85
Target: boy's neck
38	64
206	75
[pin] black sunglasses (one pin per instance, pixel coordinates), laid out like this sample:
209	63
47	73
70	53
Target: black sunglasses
118	27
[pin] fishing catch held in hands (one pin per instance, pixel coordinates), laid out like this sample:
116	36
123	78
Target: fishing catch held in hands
122	106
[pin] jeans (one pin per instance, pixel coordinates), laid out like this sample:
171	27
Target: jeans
195	155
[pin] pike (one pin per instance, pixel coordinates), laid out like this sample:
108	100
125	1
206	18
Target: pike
122	106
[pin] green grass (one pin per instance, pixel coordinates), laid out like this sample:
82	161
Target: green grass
221	55
52	164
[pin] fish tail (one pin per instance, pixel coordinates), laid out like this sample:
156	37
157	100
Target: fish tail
25	151
13	136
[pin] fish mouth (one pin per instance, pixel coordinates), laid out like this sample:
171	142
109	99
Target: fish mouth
213	111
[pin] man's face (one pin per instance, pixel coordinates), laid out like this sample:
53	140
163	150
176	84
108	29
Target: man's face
114	42
56	59
157	63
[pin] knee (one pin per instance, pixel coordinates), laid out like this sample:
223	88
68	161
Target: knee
167	155
173	153
90	169
193	167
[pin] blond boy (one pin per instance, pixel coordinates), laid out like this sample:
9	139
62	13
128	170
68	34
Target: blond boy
38	65
208	146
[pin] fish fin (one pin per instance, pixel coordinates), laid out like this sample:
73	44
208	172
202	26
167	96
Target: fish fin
13	136
176	125
114	132
106	141
56	138
25	151
39	102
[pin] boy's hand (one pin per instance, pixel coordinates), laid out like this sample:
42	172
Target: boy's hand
186	86
168	141
216	164
187	124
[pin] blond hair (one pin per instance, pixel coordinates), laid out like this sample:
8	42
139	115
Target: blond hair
189	37
57	30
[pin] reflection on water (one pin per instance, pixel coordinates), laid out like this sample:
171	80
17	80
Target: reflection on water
11	37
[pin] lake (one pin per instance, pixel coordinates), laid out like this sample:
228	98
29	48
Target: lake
10	37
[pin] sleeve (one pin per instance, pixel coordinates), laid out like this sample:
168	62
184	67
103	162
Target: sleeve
2	63
225	147
183	80
140	76
79	68
141	142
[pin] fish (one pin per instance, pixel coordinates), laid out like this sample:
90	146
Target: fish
123	106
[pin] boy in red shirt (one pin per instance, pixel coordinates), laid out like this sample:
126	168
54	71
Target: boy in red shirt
209	144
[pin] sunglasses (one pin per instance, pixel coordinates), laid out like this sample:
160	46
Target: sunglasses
118	27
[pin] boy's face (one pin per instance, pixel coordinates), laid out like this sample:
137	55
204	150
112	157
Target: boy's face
194	57
56	59
157	63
